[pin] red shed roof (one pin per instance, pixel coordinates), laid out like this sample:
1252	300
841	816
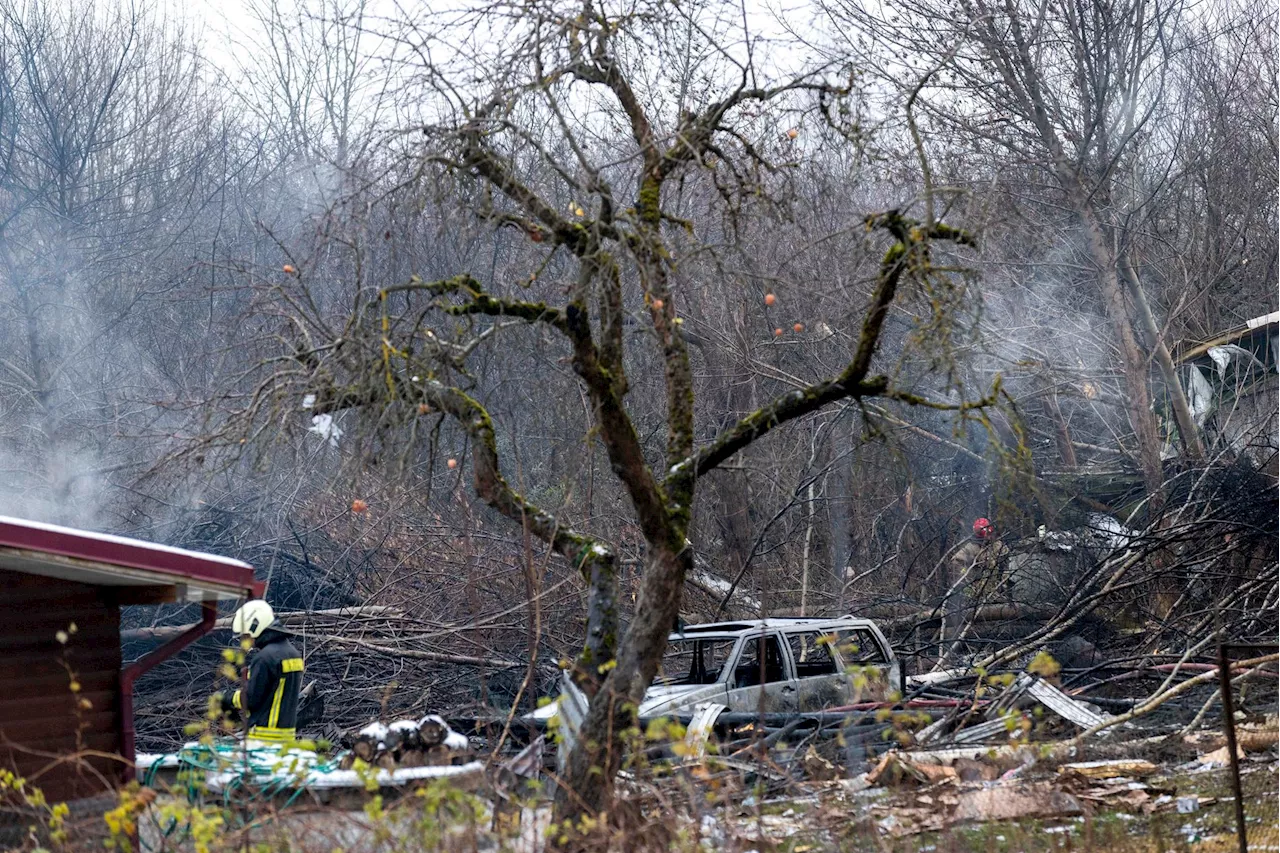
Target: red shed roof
100	559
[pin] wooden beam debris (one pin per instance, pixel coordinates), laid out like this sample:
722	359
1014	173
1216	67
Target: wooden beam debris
334	626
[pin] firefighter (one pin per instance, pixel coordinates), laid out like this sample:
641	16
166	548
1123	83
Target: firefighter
990	561
269	705
975	556
975	575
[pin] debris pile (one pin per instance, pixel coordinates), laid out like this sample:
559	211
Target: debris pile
908	793
352	653
1028	702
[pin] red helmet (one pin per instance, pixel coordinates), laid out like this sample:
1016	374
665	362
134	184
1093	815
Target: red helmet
982	528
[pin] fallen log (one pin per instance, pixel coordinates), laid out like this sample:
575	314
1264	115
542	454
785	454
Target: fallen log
717	586
165	632
982	615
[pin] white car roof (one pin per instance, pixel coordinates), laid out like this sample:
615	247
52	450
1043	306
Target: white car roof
777	623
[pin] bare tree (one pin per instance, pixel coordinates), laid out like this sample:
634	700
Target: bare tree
105	152
317	76
1077	92
534	155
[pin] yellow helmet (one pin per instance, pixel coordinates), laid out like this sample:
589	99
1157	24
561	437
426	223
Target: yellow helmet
253	618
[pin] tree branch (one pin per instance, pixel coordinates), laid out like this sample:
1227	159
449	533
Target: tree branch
481	302
909	251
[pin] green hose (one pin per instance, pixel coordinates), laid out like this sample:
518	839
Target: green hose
249	765
256	774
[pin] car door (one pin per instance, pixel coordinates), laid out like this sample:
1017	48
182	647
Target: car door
820	680
865	664
762	679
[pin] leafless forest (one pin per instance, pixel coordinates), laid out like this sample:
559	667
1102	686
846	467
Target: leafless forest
520	330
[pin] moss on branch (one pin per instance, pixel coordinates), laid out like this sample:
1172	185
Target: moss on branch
649	201
480	301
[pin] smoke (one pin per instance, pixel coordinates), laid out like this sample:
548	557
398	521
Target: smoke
303	191
1044	331
68	491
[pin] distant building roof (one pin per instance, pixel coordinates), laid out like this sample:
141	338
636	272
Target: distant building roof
1254	335
100	559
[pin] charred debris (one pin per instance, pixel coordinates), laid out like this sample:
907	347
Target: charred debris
1078	662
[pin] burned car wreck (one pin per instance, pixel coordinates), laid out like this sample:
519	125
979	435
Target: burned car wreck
778	665
773	666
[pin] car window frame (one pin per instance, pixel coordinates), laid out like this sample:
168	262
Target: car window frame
789	670
886	659
732	657
832	655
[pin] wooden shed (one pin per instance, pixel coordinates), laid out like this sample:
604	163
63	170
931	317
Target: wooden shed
52	578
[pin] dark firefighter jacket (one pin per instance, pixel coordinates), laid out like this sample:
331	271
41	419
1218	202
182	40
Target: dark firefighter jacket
270	702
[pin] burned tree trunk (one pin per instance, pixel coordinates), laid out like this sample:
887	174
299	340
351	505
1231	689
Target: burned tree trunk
1133	360
1061	432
